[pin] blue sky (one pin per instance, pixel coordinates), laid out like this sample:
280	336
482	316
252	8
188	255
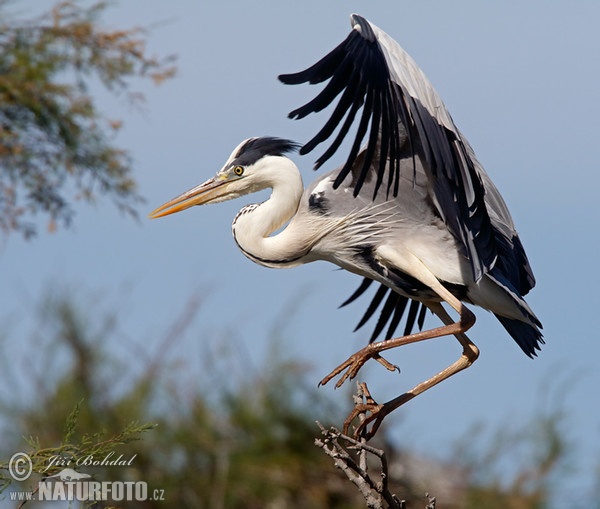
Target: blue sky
521	81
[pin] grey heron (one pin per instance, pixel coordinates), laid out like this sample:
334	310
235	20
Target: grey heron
411	209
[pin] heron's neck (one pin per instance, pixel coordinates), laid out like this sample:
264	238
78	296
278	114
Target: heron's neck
254	224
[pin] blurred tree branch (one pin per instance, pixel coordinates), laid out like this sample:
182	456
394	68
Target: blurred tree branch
55	145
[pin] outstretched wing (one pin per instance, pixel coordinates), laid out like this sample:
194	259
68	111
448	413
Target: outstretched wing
381	89
391	313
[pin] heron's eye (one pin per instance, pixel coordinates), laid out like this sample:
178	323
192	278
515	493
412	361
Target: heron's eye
238	170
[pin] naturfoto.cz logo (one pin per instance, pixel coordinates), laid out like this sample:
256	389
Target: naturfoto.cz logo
93	491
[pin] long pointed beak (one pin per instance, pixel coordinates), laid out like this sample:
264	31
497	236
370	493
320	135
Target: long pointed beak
199	195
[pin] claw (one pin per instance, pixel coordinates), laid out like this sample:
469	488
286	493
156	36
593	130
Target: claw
353	364
336	372
386	364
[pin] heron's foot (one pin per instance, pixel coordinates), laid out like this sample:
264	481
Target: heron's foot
370	414
355	362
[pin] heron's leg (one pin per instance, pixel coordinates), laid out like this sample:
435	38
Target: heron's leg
372	351
379	411
410	264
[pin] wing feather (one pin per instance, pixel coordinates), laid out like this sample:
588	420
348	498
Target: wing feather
390	314
398	102
402	117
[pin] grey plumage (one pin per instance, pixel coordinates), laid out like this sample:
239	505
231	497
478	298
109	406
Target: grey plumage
411	208
416	140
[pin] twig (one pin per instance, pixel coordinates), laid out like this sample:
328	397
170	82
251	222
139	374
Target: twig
431	501
351	457
376	494
369	489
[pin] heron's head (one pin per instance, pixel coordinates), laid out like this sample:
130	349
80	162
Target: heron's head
246	171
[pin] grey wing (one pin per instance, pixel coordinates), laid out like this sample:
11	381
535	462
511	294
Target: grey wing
374	76
389	306
383	91
512	265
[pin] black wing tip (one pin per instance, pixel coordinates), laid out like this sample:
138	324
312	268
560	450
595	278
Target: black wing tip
527	336
390	314
289	79
366	282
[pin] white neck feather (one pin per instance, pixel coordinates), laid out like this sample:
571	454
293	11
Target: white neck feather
254	224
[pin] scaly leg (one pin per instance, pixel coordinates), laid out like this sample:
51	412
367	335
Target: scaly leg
372	351
379	411
412	265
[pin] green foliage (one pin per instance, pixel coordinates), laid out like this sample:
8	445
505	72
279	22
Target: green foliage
55	146
227	436
245	443
97	445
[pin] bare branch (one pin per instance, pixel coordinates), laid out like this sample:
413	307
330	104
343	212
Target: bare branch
375	493
352	456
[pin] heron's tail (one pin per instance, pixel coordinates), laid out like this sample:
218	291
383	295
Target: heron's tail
528	336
